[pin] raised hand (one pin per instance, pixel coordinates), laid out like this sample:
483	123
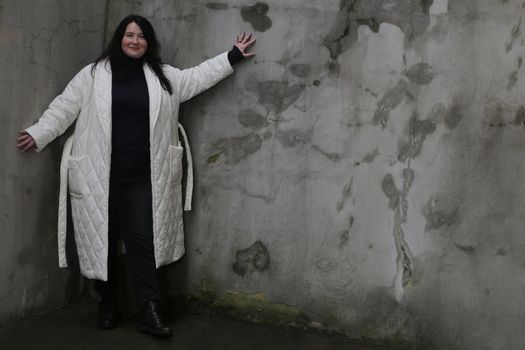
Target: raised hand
243	42
25	142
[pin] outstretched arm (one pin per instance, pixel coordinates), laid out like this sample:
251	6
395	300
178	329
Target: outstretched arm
60	114
193	81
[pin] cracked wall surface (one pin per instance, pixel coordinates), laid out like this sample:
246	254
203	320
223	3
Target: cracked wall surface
363	170
374	149
43	43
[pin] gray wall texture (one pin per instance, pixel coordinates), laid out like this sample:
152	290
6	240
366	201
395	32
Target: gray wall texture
43	43
362	174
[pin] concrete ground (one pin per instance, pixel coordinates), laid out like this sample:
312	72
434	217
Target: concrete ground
74	328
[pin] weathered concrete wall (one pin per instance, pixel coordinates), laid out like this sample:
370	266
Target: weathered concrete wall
42	45
361	174
364	169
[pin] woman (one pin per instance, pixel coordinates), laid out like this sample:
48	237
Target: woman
123	163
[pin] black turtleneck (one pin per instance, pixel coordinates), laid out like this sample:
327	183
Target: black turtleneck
130	157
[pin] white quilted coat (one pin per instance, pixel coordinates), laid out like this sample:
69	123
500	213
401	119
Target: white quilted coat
88	98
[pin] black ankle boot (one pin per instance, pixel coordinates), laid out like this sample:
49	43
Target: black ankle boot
107	315
151	321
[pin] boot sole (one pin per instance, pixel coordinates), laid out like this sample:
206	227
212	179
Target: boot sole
149	331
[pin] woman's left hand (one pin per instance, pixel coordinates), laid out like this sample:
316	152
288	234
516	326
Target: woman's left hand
25	142
243	42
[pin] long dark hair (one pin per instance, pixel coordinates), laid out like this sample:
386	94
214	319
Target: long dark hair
117	57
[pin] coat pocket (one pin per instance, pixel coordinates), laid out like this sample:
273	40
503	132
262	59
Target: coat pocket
76	181
176	164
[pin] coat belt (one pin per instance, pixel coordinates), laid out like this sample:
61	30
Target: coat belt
189	177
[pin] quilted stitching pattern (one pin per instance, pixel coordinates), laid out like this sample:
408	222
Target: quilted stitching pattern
91	219
93	140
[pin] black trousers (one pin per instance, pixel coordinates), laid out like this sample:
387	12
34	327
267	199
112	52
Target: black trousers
131	219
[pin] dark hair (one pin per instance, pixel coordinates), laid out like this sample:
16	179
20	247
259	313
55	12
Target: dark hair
118	58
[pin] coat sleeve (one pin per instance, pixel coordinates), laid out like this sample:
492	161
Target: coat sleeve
62	111
192	81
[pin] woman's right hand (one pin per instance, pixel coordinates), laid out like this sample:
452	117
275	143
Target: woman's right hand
243	43
25	142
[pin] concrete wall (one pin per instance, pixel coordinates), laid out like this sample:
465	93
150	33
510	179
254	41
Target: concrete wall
362	174
365	169
43	43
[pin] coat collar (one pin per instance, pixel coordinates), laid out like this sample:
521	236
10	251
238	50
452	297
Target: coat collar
103	83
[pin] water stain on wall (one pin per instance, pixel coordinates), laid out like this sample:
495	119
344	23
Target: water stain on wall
497	121
399	204
418	131
292	138
254	258
514	35
408	179
420	73
189	18
213	158
277	96
251	119
344	237
370	22
411	16
217	5
437	114
347	193
501	252
343	33
257	16
370	157
467	249
235	149
513	79
335	157
519	120
390	100
300	70
497	112
390	190
454	116
217	181
438	217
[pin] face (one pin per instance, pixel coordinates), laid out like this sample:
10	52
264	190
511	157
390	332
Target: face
134	44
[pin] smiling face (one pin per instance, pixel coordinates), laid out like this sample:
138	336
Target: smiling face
134	44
